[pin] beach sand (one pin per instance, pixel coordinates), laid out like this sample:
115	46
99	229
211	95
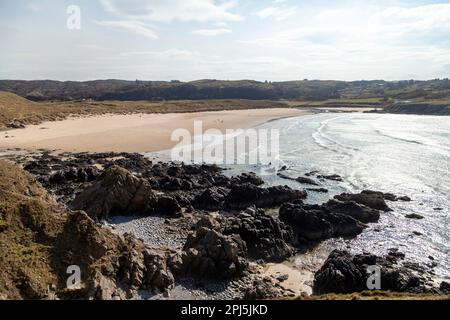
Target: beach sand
132	132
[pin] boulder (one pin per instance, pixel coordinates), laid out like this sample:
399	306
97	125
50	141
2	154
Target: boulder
316	222
119	192
346	273
353	209
371	199
414	216
266	237
210	254
210	199
249	177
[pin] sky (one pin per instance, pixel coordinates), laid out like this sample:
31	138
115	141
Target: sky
186	40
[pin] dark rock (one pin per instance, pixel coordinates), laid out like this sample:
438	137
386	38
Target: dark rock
353	209
210	254
414	216
283	277
210	199
344	273
167	205
305	180
321	190
333	177
371	199
302	180
315	222
266	237
445	287
249	177
246	195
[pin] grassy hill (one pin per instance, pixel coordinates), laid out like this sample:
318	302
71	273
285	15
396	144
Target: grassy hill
303	90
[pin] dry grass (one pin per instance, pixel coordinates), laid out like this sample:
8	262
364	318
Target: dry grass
378	295
15	110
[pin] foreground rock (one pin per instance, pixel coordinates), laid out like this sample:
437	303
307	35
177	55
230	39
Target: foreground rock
346	273
265	236
39	240
210	254
119	192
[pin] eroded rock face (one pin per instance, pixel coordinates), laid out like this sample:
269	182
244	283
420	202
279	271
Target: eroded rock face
42	239
210	254
316	222
119	192
346	273
109	261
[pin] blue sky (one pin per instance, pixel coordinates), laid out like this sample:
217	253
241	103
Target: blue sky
228	39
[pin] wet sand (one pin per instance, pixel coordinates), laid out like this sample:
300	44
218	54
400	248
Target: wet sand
131	133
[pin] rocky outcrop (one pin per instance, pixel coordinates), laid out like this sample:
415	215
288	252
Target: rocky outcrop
119	192
353	209
346	273
110	265
40	240
243	196
343	216
369	198
210	254
266	237
211	199
316	222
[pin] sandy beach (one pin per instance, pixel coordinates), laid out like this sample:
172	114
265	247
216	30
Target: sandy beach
130	133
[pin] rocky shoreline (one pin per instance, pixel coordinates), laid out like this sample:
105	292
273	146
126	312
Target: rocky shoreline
143	229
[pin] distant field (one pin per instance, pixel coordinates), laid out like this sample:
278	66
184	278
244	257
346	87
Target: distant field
335	101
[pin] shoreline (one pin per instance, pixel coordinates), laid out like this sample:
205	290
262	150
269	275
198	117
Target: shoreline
140	133
276	268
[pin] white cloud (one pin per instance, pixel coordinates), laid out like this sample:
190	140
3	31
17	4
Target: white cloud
131	26
211	32
169	53
173	10
278	13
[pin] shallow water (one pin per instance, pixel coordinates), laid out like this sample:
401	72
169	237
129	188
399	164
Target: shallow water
403	154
